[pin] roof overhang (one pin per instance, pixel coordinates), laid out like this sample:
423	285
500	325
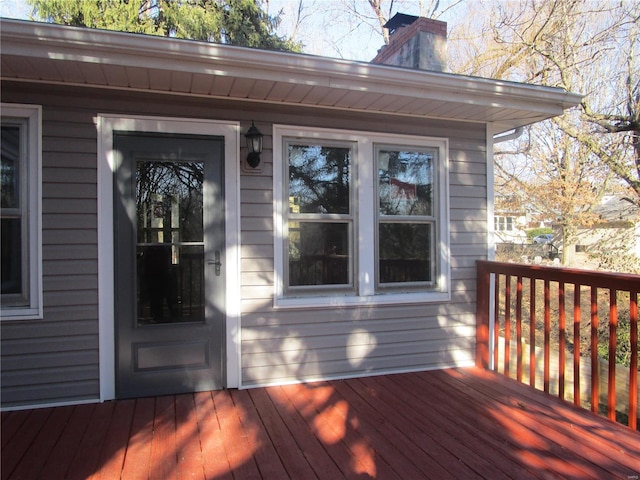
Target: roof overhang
47	53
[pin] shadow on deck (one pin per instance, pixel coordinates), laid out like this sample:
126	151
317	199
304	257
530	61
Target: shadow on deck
457	423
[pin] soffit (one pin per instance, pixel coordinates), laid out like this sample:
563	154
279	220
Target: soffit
38	52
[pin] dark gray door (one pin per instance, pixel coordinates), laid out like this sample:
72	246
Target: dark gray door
169	241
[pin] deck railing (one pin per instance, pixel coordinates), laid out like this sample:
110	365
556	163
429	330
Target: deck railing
522	322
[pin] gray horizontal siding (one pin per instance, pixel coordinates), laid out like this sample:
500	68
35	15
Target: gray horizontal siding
56	359
294	345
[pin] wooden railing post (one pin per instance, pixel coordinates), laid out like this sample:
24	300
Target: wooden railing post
482	315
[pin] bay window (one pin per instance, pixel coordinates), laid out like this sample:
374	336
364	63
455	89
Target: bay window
359	218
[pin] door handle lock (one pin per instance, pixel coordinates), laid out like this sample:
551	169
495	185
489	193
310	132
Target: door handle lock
216	262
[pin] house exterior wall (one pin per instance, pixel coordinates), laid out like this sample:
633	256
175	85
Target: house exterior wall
56	359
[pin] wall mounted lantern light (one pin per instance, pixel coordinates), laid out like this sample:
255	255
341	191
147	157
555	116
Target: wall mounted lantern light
254	145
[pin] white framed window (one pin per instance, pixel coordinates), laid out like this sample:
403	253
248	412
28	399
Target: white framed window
360	218
20	212
503	224
319	245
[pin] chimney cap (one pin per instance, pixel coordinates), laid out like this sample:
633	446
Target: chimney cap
399	20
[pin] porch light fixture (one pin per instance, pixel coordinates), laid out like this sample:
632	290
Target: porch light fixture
254	145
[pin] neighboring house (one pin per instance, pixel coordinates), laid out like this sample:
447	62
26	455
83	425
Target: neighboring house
616	229
143	255
510	227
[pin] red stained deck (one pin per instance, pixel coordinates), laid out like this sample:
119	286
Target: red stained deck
459	423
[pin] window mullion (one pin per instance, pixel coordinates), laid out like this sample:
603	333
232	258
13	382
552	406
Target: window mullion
367	194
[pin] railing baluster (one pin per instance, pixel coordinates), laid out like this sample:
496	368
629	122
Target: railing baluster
507	324
595	381
519	328
613	343
576	343
633	368
532	334
496	324
547	335
562	340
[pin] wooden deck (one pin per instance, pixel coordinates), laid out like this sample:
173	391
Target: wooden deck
459	423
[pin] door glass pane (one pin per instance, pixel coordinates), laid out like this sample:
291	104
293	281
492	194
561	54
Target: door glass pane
405	182
319	254
405	253
170	242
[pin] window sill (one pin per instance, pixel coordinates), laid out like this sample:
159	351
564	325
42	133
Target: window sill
337	301
9	313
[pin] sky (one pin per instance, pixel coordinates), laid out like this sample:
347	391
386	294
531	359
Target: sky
325	29
14	9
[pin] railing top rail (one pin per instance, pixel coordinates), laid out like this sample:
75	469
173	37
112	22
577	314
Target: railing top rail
618	281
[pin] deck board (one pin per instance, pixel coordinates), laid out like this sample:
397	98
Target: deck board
456	423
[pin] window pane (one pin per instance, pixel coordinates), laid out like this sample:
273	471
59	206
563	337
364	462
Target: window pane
405	253
319	179
10	167
405	182
11	250
319	254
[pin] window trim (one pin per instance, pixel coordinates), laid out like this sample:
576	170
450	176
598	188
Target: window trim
364	177
32	114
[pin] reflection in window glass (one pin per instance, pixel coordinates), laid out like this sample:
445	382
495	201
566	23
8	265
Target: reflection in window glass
318	254
11	236
13	229
405	215
170	292
319	178
170	246
388	247
405	253
20	212
10	167
319	250
405	182
169	202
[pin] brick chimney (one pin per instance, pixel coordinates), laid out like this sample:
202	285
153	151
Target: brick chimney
415	42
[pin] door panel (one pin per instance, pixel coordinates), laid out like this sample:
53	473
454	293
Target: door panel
169	238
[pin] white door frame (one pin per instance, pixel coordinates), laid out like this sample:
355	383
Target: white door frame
108	124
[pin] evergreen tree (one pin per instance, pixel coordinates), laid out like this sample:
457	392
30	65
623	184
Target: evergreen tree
235	22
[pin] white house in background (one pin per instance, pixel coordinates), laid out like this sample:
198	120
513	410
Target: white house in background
143	254
617	228
510	227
